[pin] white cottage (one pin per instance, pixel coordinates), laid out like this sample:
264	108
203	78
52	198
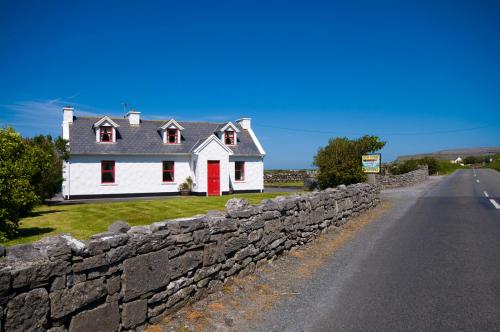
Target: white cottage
112	157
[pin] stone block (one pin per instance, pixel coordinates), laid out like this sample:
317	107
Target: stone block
36	274
201	236
55	248
113	285
145	273
213	253
58	283
91	263
235	243
66	301
221	224
185	225
118	227
236	204
28	311
181	295
184	263
245	252
134	313
105	318
255	235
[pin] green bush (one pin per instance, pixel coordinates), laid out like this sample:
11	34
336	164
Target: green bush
340	161
495	164
30	171
17	194
435	166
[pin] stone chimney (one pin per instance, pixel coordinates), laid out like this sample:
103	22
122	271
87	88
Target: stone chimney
67	119
134	117
245	123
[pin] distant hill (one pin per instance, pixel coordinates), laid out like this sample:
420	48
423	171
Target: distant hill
453	153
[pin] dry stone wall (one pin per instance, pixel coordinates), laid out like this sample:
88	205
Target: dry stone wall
403	180
127	277
281	176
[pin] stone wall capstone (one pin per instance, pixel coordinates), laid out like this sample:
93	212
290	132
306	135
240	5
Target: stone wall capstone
127	277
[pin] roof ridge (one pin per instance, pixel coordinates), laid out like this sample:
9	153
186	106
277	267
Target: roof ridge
147	120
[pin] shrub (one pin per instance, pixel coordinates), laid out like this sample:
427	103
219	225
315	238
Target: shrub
17	193
340	161
30	172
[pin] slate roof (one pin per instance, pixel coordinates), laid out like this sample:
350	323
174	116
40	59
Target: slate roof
146	138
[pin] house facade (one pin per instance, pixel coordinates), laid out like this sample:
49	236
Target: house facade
120	157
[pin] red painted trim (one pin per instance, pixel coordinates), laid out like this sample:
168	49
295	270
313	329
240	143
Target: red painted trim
112	170
102	132
173	133
164	170
242	170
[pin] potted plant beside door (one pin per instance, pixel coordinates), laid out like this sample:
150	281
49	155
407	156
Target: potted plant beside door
186	186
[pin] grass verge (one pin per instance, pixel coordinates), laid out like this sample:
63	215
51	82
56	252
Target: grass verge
84	220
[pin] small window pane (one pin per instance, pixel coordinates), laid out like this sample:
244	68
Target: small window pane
107	166
108	177
168	165
239	170
168	176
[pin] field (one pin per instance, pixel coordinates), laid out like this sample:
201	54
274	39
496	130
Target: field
84	220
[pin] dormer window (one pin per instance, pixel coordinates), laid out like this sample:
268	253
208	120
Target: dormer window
229	137
106	134
105	130
171	132
172	136
228	133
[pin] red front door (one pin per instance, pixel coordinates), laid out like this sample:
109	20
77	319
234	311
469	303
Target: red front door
213	180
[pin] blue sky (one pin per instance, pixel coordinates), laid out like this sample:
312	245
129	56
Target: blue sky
423	75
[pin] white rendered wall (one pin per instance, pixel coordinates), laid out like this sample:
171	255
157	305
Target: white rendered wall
133	174
213	151
254	173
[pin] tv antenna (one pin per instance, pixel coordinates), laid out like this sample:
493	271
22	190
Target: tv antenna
125	105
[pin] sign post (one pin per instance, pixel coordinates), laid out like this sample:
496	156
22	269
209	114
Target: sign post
371	166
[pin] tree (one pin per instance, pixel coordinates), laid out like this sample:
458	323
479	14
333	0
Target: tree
340	161
470	160
17	194
30	172
47	157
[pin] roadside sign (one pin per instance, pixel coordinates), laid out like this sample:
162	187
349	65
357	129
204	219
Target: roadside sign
371	163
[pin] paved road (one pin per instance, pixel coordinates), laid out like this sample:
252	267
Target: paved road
432	264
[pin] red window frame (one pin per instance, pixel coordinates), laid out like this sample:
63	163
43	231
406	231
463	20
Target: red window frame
229	136
105	171
241	170
173	133
102	132
165	170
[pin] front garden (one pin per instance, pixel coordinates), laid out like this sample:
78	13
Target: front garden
84	220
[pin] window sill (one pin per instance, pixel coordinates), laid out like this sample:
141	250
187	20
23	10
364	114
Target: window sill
106	142
239	181
169	183
109	184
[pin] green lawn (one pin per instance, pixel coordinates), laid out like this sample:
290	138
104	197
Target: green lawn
84	220
298	184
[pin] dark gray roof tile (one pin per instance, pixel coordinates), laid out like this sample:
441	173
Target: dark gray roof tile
146	138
